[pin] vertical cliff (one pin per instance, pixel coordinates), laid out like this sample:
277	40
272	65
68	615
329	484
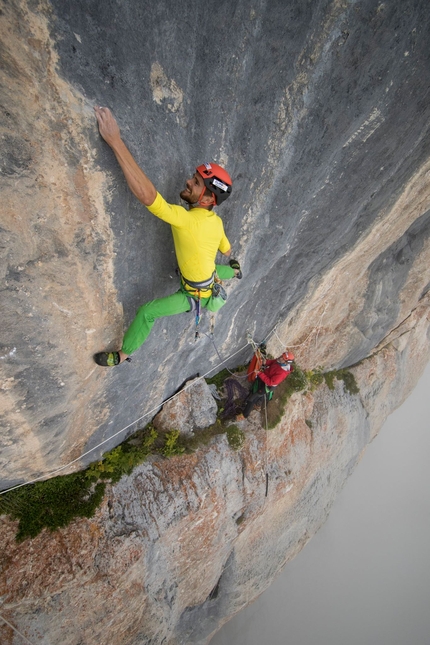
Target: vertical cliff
321	114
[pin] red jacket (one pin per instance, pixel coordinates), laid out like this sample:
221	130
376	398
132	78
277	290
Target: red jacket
274	372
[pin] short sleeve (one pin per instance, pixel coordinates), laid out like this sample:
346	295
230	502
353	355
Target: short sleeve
224	245
170	213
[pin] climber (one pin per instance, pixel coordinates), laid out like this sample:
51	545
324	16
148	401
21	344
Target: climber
272	373
197	236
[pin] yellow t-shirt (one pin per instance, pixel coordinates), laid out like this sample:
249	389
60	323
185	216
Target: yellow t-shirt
197	235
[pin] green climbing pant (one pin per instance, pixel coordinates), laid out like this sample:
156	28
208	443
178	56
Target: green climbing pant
177	303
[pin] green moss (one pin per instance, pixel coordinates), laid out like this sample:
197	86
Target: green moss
300	381
51	504
124	458
235	437
349	381
329	379
297	381
54	503
344	375
315	378
309	423
218	379
202	437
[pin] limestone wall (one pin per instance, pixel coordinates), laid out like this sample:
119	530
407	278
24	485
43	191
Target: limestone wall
320	113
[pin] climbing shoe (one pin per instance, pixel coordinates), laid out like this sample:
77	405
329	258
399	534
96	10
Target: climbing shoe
107	359
236	266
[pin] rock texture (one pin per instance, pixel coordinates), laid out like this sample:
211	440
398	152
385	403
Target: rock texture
320	112
192	409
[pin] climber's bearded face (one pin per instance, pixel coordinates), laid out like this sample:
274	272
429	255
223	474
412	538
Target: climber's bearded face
193	189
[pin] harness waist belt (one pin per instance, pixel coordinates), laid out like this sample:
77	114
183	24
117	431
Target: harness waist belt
204	284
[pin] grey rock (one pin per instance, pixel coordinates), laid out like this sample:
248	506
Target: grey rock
214	391
193	408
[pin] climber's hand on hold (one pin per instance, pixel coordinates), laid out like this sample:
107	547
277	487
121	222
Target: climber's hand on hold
108	126
139	184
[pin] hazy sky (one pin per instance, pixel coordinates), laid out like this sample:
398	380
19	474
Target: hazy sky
364	579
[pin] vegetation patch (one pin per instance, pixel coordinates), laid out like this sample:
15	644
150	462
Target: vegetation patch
203	437
172	444
344	375
235	437
51	504
125	457
315	378
300	381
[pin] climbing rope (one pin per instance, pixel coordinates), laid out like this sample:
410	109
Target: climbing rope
15	630
316	329
152	411
250	341
266	451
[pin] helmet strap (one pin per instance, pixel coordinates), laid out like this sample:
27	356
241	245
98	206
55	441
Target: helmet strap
202	194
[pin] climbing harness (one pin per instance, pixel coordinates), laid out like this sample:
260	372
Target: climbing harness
202	285
215	301
194	299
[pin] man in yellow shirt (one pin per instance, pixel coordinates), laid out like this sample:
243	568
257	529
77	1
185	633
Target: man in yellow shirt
198	234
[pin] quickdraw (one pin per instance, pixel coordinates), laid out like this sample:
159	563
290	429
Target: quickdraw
198	316
194	299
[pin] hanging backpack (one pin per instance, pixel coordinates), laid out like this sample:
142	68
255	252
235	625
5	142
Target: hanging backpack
255	366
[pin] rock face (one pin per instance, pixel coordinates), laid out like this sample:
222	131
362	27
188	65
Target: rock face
321	114
192	409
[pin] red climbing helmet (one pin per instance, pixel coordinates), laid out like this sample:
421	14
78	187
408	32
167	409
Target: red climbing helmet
288	357
217	180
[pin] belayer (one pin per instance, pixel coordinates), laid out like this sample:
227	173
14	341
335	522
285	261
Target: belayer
271	374
198	234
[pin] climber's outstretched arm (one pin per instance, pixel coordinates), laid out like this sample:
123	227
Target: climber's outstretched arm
138	182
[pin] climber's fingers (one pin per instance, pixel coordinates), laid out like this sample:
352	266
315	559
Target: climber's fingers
108	126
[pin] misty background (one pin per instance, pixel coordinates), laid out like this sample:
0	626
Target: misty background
364	579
